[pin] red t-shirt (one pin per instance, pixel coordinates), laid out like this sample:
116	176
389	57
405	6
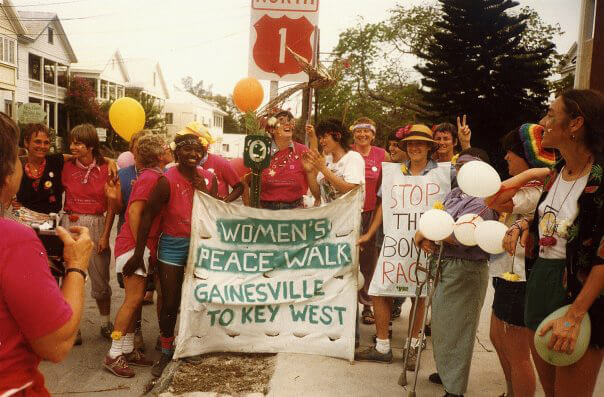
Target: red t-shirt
176	216
225	174
84	198
373	169
31	304
141	191
285	179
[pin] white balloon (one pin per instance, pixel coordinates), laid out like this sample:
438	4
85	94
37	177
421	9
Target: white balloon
489	236
464	229
478	179
360	280
436	225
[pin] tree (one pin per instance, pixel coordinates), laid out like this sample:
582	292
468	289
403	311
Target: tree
81	104
485	62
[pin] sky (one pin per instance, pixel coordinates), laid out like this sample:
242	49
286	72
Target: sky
209	39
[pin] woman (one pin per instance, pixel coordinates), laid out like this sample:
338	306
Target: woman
568	242
416	141
517	198
85	177
285	181
363	132
460	291
451	140
173	197
341	170
397	155
38	321
41	187
149	150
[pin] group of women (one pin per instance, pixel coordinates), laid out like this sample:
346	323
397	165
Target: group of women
563	263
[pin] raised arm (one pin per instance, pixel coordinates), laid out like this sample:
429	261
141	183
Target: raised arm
502	200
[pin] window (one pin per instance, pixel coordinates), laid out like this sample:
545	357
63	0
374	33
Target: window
34	67
11	52
8	107
104	91
169	118
225	147
51	35
49	72
62	76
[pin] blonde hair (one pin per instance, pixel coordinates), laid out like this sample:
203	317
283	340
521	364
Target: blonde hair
149	149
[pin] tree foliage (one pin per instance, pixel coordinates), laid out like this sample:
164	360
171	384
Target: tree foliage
81	104
485	62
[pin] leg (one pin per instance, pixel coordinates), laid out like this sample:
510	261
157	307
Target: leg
171	284
496	335
546	372
382	307
580	378
125	317
517	352
419	316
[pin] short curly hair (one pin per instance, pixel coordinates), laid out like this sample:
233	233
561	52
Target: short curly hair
336	129
9	139
149	149
32	129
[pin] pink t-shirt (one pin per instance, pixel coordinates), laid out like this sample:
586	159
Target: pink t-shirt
84	198
141	191
285	179
224	172
31	304
373	169
176	216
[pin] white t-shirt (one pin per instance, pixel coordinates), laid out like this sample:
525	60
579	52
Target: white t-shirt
525	201
351	168
556	217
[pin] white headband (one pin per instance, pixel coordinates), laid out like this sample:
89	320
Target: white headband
368	126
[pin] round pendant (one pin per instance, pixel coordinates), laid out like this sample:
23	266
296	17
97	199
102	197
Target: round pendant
374	168
547	224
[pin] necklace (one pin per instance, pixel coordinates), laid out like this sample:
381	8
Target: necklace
35	173
549	221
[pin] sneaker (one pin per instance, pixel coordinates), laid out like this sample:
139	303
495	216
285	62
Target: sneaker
78	339
159	366
428	330
435	378
411	360
138	359
371	354
118	366
106	331
139	343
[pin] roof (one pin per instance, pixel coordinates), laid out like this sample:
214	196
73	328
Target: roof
36	23
569	61
14	17
97	62
182	96
139	68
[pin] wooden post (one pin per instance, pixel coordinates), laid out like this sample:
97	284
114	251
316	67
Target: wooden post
585	42
597	58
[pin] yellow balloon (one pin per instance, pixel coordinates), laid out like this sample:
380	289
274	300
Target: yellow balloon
127	117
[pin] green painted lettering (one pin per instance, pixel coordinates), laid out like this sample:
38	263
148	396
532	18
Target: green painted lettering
246	314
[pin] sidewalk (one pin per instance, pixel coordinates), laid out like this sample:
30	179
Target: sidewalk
295	374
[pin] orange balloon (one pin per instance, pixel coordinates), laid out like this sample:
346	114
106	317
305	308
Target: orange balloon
248	94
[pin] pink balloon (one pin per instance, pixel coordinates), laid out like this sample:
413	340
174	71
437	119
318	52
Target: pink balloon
126	159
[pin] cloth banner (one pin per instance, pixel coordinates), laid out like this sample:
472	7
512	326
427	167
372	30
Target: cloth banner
404	200
271	281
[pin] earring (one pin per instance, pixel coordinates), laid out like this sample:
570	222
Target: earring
573	137
549	130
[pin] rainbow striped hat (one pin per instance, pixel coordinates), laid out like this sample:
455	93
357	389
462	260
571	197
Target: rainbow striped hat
531	136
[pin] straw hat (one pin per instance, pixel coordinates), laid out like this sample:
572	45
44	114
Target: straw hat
415	132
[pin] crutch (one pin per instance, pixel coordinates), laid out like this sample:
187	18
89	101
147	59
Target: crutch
430	288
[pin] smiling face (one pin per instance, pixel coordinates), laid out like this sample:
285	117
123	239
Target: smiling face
445	142
327	142
190	155
516	164
363	136
396	154
79	150
38	144
285	128
557	125
418	150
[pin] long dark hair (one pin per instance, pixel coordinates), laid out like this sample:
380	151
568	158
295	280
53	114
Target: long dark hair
9	138
588	104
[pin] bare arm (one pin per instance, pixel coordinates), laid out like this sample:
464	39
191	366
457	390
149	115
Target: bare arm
502	200
77	250
376	223
234	195
135	210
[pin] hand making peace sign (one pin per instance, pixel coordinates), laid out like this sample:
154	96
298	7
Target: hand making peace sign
464	133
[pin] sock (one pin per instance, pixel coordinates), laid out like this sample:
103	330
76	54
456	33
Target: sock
116	348
167	345
382	345
128	345
105	320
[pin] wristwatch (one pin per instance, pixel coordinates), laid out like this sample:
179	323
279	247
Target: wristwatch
80	271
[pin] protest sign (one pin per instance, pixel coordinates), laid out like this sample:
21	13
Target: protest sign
271	281
404	200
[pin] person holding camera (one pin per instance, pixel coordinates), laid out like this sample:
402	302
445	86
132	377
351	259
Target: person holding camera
38	321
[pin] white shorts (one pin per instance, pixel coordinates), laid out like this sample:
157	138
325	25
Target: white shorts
121	260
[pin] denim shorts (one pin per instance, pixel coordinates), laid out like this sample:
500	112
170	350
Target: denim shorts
508	303
173	250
